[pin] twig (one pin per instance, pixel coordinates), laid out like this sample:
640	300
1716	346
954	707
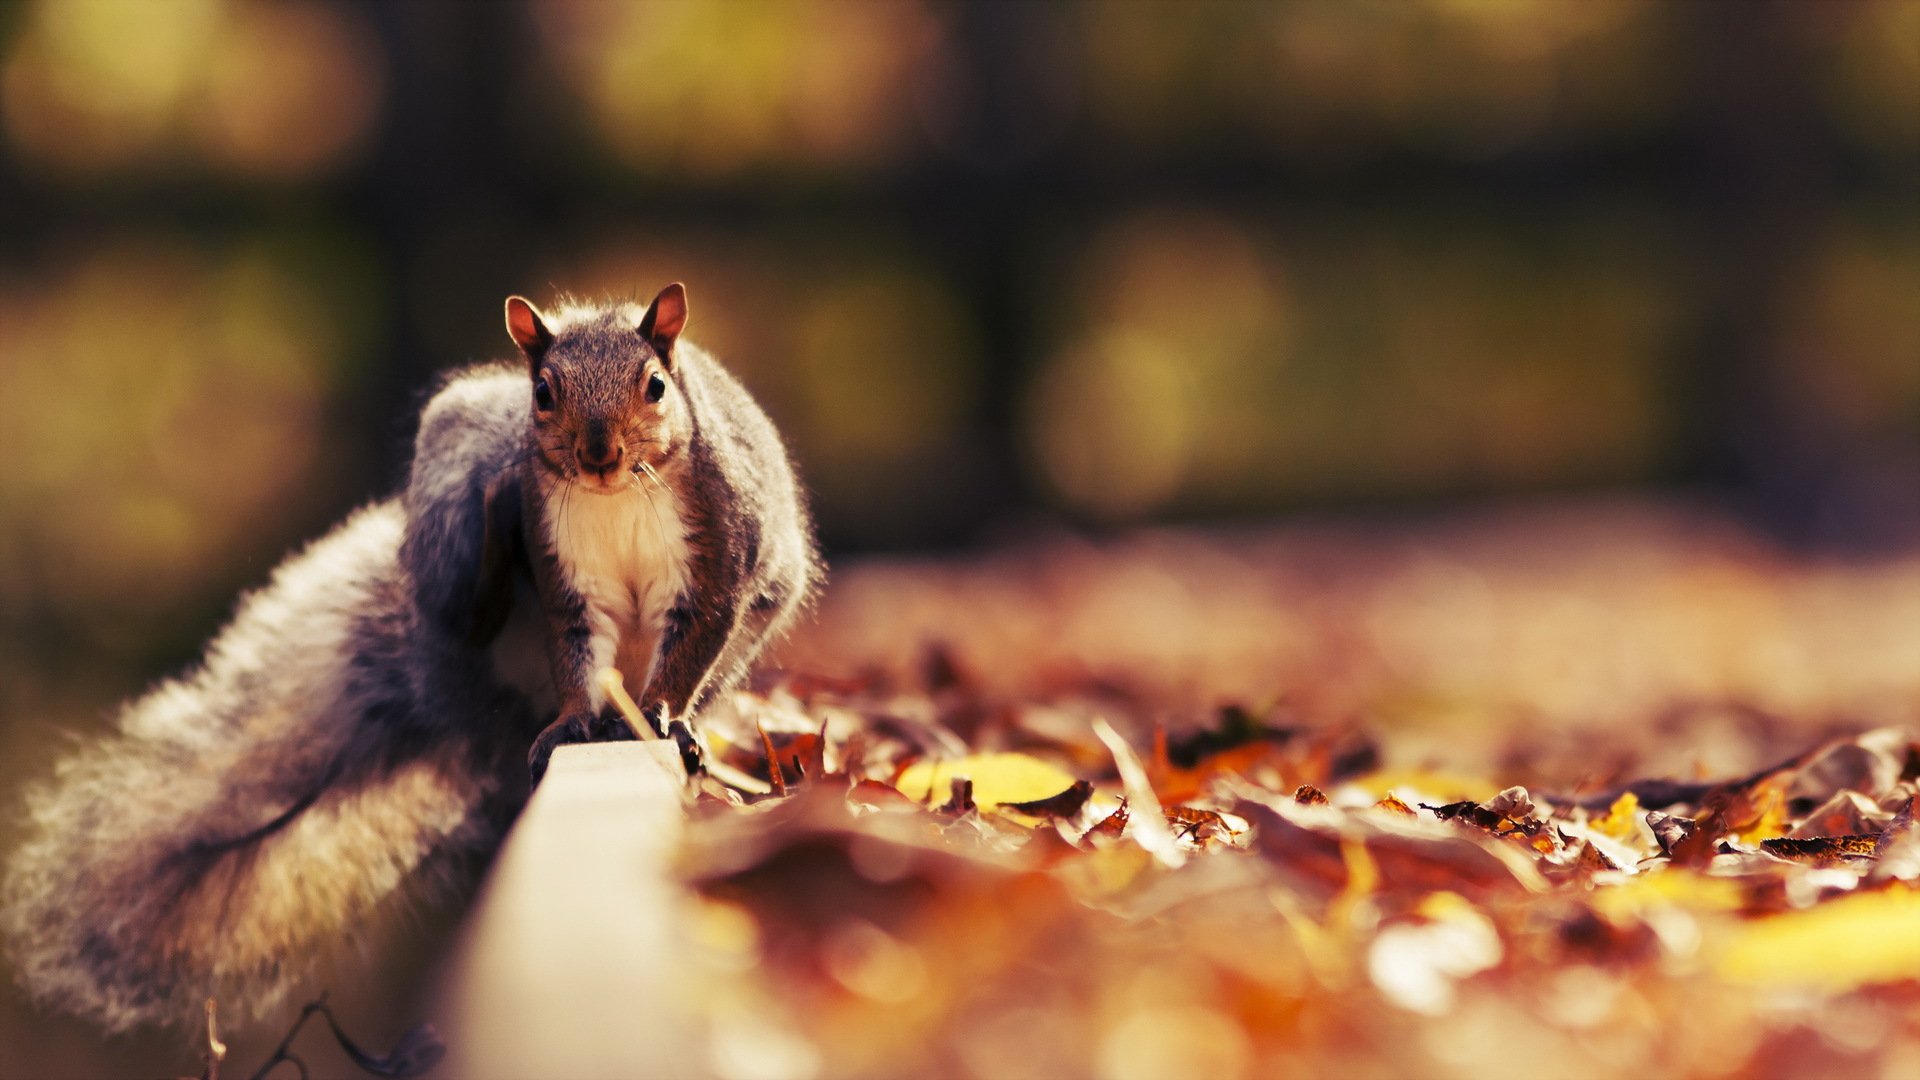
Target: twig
280	1053
413	1054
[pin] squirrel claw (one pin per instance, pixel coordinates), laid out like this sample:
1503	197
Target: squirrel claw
567	729
691	752
656	717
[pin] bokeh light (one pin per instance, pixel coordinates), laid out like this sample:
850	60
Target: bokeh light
279	90
711	88
176	393
1211	362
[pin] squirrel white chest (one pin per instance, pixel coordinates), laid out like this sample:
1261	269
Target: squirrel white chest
626	555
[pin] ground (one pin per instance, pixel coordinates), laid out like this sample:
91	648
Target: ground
1583	789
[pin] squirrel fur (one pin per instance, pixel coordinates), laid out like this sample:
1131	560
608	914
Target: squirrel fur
356	736
656	510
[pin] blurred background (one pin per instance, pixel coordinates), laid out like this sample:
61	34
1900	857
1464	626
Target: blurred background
994	269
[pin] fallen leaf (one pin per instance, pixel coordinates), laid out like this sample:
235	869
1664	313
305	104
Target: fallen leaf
961	800
1848	813
1823	850
997	778
875	794
1066	804
775	774
1149	826
1197	823
1113	826
1415	854
1854	940
1899	828
1392	804
1622	820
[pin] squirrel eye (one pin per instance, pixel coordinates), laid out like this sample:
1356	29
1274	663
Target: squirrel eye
656	387
542	395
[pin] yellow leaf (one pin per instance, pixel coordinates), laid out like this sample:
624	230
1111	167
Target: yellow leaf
1772	820
1446	787
997	778
1671	887
1844	943
1363	877
1101	874
1622	819
1445	905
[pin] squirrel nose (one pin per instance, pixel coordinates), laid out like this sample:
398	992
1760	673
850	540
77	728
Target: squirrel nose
599	457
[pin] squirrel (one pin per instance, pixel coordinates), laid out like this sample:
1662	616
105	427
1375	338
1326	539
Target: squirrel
657	510
358	735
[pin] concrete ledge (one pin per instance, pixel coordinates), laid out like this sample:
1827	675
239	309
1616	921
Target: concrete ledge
566	965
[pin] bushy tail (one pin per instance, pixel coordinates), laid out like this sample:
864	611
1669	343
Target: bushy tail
246	818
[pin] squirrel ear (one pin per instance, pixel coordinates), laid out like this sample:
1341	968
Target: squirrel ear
525	327
664	319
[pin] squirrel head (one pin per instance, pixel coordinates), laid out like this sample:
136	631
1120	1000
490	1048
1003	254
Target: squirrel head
607	402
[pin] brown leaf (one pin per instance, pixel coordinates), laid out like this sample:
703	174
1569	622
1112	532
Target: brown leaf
793	756
882	796
1897	829
1848	813
1480	816
1409	854
1242	744
1514	803
1392	804
773	764
1064	805
1658	793
1752	809
1898	848
1669	830
1237	727
961	800
1591	859
1871	762
1111	826
1196	823
1508	814
1823	850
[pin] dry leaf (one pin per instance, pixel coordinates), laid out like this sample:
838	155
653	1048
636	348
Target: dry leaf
998	779
1066	804
1393	805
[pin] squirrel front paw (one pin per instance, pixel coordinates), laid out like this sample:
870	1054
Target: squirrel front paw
692	750
569	728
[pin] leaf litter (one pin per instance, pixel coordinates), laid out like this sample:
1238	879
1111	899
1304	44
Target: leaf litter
1043	892
1014	854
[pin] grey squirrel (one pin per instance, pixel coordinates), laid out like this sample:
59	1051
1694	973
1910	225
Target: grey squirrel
651	505
359	733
